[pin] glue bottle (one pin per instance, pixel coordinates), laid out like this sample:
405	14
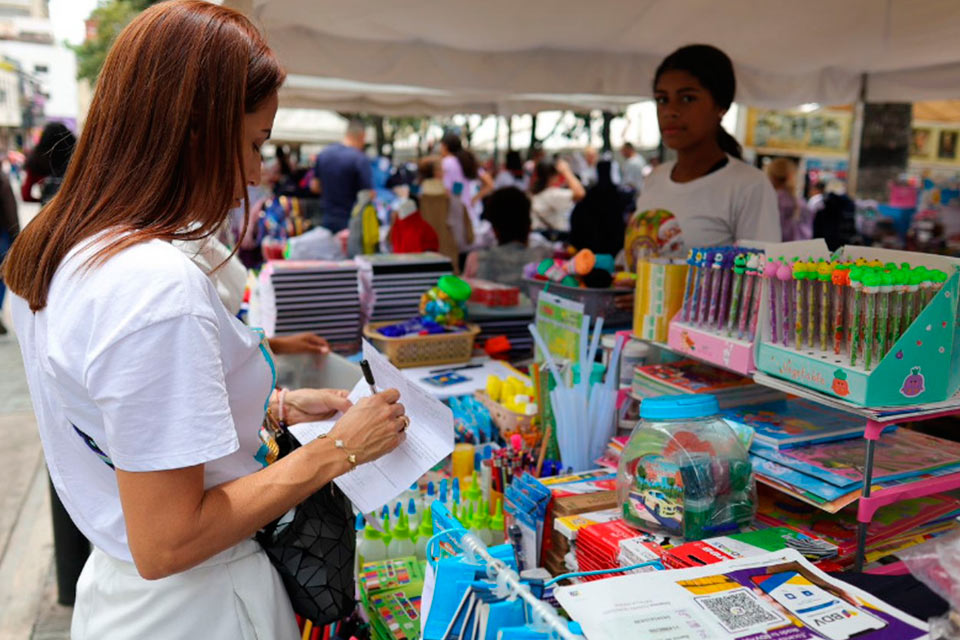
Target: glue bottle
473	492
400	545
483	523
386	528
424	533
497	533
370	547
412	516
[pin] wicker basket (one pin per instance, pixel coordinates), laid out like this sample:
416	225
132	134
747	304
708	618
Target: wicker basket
423	351
510	422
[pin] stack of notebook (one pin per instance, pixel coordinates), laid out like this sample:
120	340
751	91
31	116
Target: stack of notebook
394	282
693	376
894	527
312	295
829	475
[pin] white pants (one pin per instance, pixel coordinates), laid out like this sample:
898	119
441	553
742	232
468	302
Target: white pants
236	595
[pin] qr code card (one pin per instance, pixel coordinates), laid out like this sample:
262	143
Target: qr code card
741	610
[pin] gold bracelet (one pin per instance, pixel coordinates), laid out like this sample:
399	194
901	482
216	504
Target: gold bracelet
351	457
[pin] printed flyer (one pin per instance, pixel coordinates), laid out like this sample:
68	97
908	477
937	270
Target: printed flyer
775	596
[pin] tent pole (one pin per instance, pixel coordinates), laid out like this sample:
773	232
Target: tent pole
856	139
496	142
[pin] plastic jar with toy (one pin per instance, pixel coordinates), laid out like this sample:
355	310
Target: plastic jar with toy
684	472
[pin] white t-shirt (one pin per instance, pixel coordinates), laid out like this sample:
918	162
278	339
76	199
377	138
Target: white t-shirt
230	279
137	363
550	209
736	202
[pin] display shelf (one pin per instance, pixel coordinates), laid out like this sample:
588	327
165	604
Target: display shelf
877	420
681	352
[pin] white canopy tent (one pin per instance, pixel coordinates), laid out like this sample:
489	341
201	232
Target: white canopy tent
487	56
398	100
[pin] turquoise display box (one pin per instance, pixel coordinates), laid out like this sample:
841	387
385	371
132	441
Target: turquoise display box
922	366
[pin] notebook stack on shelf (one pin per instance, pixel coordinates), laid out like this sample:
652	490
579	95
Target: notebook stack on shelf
895	527
693	376
394	282
312	295
829	475
505	321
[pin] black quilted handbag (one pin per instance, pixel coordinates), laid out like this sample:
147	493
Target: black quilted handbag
313	552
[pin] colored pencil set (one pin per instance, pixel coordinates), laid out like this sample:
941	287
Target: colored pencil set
722	291
859	309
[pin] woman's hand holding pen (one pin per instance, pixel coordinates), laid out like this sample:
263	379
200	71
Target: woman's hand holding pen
309	405
372	427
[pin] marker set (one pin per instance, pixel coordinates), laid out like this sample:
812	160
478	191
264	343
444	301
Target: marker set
857	309
722	290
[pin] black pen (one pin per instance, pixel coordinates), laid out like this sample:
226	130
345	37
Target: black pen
460	368
368	376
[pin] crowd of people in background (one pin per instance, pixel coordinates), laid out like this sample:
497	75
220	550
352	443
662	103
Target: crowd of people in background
500	215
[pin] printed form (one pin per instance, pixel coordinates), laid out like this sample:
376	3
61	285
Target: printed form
429	438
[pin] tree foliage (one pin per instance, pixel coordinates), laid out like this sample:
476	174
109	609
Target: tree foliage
110	17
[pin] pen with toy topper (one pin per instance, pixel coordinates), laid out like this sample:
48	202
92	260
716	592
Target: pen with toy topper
901	277
688	287
749	282
706	284
726	270
810	294
739	268
871	290
799	275
914	278
886	286
785	274
840	279
824	275
853	313
711	303
755	265
699	257
770	270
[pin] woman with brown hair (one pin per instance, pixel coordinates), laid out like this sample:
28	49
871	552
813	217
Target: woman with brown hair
796	219
149	395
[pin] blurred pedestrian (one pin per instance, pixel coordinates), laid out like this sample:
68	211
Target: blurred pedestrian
796	219
343	171
47	162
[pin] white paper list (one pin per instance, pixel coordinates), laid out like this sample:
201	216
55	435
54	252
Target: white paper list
429	438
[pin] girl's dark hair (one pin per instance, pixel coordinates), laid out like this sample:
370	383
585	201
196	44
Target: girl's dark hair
468	163
714	70
514	163
52	153
508	210
544	171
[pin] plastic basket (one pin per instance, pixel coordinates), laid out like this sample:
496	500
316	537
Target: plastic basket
596	302
423	351
510	422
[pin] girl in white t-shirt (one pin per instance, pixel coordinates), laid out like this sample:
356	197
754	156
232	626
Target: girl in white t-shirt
149	394
709	196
